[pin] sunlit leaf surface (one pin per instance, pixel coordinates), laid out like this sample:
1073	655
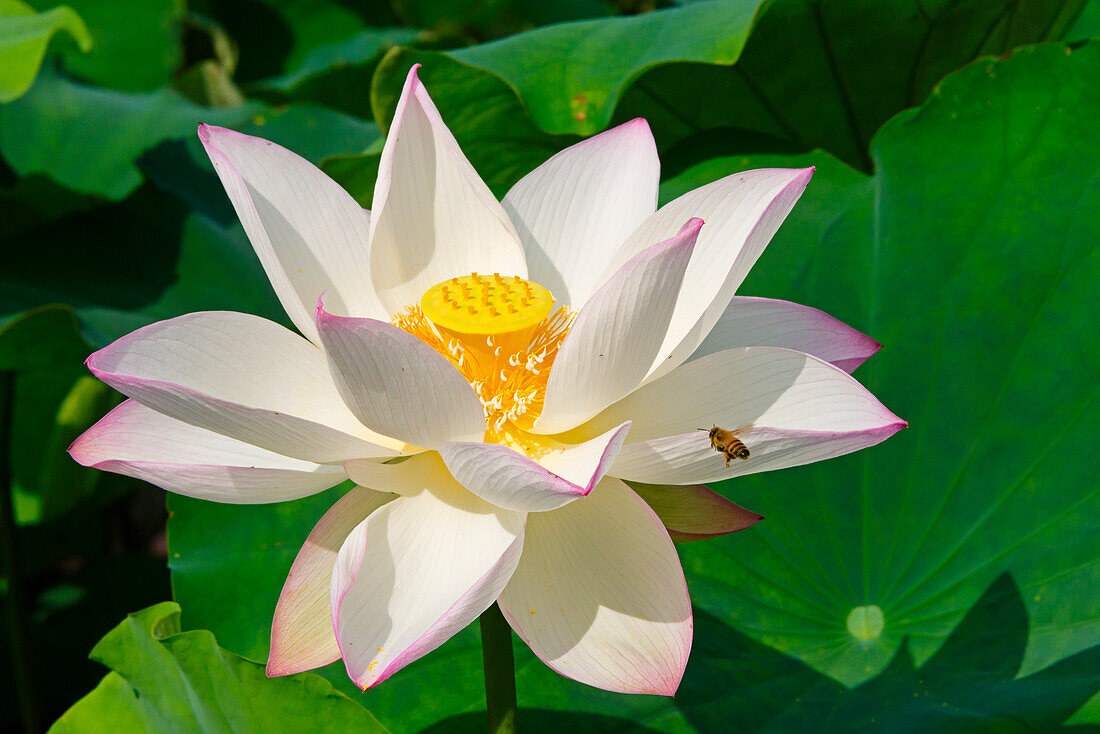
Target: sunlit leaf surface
167	680
24	36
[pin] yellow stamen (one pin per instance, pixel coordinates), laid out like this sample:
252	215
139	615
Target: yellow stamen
501	335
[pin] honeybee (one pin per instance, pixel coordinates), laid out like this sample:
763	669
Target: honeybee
727	444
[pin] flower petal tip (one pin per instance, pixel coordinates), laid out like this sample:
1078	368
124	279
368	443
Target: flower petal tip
668	684
208	132
319	312
640	126
95	357
889	429
692	226
76	450
668	690
685	238
412	84
608	458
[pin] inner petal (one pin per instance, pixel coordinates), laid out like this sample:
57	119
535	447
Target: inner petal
502	333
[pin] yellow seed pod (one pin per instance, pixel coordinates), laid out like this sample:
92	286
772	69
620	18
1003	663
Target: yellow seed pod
487	304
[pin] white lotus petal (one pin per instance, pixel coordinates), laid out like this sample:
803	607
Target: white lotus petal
576	209
767	322
507	478
142	443
687	458
599	594
789	408
742	213
406	476
301	633
617	334
434	217
309	234
241	376
397	384
415	572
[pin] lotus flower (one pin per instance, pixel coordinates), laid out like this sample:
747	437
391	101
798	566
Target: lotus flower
491	375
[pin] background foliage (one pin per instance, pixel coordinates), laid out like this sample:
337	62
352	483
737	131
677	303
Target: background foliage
954	216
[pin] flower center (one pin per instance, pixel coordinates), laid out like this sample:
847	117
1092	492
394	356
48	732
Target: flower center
487	305
502	334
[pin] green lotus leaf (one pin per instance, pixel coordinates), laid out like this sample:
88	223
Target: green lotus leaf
166	680
24	36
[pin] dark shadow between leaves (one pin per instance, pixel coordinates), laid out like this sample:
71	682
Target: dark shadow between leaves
735	684
119	255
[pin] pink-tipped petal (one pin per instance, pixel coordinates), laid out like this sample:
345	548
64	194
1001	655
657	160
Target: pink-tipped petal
599	594
682	458
415	572
181	458
694	512
617	333
398	385
243	377
301	633
766	322
433	216
789	409
309	234
742	213
507	478
576	209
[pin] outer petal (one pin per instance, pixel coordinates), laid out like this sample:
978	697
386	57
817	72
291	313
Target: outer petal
509	479
599	594
397	384
694	512
766	322
617	334
301	633
415	572
241	376
142	443
576	209
309	233
742	212
789	408
434	217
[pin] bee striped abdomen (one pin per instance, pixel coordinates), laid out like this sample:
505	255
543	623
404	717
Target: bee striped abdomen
735	449
727	444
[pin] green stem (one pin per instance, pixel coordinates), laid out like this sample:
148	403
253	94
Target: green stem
17	623
500	671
